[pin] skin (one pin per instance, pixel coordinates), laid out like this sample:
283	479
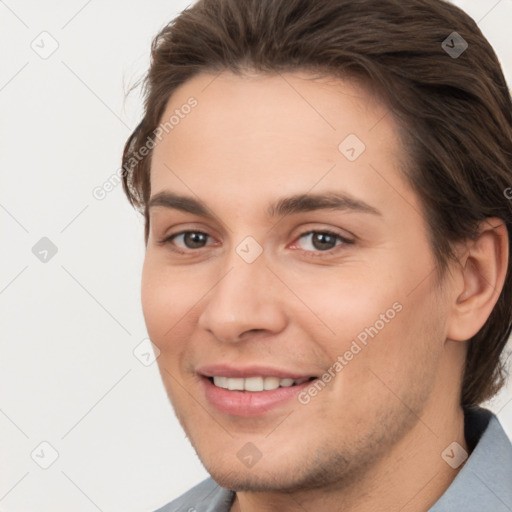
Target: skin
373	438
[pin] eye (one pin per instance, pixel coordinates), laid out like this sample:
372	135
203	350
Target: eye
187	240
316	241
322	241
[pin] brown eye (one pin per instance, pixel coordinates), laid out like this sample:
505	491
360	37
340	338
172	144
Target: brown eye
188	239
322	241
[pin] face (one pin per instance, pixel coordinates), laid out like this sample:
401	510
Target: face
246	289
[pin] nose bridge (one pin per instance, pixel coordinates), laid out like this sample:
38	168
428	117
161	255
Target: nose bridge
243	298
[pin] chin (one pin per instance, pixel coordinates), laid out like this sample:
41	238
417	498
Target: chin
252	480
283	475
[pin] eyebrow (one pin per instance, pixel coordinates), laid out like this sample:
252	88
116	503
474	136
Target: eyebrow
284	206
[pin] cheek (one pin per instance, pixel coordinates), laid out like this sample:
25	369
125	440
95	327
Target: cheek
343	305
167	311
153	298
395	365
404	355
164	297
375	322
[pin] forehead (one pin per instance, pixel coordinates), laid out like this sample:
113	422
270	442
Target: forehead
261	134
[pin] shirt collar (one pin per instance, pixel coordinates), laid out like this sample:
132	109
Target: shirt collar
485	480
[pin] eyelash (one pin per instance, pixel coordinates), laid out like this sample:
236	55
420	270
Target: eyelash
345	241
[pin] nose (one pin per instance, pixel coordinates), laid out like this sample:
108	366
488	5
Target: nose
248	297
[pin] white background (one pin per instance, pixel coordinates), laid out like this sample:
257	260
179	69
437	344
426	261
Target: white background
68	375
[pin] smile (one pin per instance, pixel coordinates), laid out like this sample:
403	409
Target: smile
255	384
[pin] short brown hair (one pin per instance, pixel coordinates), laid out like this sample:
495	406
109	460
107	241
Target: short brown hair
454	111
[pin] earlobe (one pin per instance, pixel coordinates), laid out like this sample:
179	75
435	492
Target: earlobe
483	269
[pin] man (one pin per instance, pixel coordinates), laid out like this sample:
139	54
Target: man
327	245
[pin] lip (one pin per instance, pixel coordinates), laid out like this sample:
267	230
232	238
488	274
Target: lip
249	403
223	370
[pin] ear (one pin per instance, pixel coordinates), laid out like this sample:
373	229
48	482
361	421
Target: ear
480	279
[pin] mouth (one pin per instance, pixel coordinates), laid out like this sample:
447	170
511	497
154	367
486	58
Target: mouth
256	384
251	391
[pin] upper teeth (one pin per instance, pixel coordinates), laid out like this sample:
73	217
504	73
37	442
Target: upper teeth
254	383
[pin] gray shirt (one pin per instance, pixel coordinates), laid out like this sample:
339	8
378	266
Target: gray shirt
484	484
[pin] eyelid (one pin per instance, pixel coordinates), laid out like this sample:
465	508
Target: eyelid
188	227
168	240
329	252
